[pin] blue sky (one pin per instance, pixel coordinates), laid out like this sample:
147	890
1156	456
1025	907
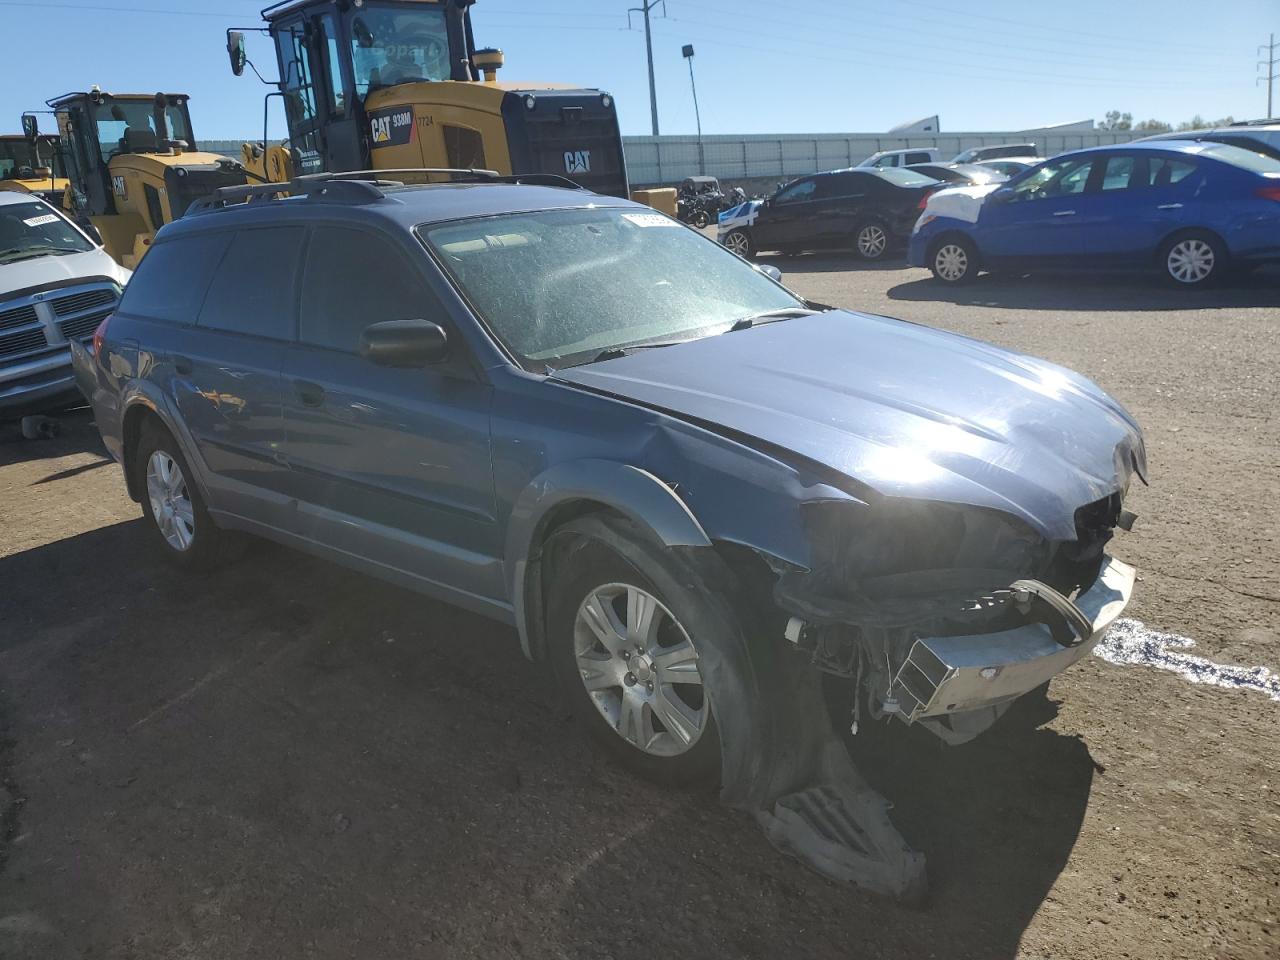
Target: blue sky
762	65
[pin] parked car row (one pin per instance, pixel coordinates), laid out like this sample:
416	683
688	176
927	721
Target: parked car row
1189	209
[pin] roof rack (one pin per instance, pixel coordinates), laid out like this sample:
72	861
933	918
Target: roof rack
360	186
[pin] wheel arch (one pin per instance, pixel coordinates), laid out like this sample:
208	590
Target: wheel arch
1178	232
568	491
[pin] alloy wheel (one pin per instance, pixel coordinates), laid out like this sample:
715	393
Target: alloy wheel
872	241
640	669
951	262
1190	260
737	242
170	501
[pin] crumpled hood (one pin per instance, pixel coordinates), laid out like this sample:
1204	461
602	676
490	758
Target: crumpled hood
51	269
905	410
959	203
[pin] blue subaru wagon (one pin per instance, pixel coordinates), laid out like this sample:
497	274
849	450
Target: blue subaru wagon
1190	210
689	490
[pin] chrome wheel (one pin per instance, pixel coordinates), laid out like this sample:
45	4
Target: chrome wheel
872	241
170	501
739	243
640	669
1191	260
951	262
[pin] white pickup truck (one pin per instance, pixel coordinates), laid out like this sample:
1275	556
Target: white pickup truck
56	285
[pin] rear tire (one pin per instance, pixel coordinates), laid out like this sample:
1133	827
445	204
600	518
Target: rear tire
740	242
954	260
871	241
640	692
700	219
1193	260
177	517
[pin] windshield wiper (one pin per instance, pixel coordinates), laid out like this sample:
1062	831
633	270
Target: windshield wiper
612	353
770	316
28	253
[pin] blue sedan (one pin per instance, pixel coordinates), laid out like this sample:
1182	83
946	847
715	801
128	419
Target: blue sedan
1189	209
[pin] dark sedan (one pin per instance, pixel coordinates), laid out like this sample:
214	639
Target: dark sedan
870	211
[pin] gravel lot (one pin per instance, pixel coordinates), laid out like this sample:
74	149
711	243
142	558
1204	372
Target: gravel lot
283	759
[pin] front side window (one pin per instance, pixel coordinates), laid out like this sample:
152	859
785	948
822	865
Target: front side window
563	286
1060	178
32	229
253	288
335	311
391	45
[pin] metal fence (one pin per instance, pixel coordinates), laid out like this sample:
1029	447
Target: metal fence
653	161
668	160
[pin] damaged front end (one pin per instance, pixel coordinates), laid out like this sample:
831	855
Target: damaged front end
943	614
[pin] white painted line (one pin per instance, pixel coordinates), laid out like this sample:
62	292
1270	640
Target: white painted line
1131	641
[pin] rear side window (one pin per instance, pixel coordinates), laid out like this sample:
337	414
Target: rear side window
253	288
1163	172
172	278
336	308
906	178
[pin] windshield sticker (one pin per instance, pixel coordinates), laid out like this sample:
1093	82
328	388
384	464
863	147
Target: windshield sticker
650	220
42	219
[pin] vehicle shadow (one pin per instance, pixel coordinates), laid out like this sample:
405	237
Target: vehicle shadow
844	262
76	433
1089	292
287	759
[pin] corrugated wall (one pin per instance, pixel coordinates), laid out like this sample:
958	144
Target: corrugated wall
668	160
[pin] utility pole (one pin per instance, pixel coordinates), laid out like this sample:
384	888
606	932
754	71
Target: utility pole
687	52
648	43
1271	75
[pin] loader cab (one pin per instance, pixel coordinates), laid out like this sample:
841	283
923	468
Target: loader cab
97	127
32	165
383	84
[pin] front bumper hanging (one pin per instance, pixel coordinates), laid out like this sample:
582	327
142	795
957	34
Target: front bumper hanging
951	675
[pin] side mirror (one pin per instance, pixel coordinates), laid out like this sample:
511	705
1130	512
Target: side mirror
404	343
770	271
30	126
235	51
1002	195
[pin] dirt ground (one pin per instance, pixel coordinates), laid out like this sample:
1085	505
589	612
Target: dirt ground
283	759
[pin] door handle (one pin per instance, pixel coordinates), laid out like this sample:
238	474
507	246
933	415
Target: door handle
180	363
311	394
1169	206
1064	213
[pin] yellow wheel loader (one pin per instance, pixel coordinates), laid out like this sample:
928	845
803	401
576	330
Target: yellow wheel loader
32	164
134	165
399	84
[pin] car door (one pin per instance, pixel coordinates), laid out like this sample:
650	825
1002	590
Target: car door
784	220
1038	217
1137	199
391	465
226	369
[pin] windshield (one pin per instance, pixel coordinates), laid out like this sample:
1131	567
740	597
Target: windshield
17	158
904	178
391	45
32	229
562	286
117	119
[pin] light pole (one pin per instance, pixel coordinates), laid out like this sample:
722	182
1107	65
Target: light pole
687	51
648	45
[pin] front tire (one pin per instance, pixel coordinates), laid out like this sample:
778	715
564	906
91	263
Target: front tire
180	523
1193	260
700	219
740	242
954	261
624	635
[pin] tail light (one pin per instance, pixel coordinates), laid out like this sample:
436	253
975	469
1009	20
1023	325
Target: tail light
99	335
1269	193
924	200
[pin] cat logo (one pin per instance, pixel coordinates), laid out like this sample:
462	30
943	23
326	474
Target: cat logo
391	128
577	161
118	188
